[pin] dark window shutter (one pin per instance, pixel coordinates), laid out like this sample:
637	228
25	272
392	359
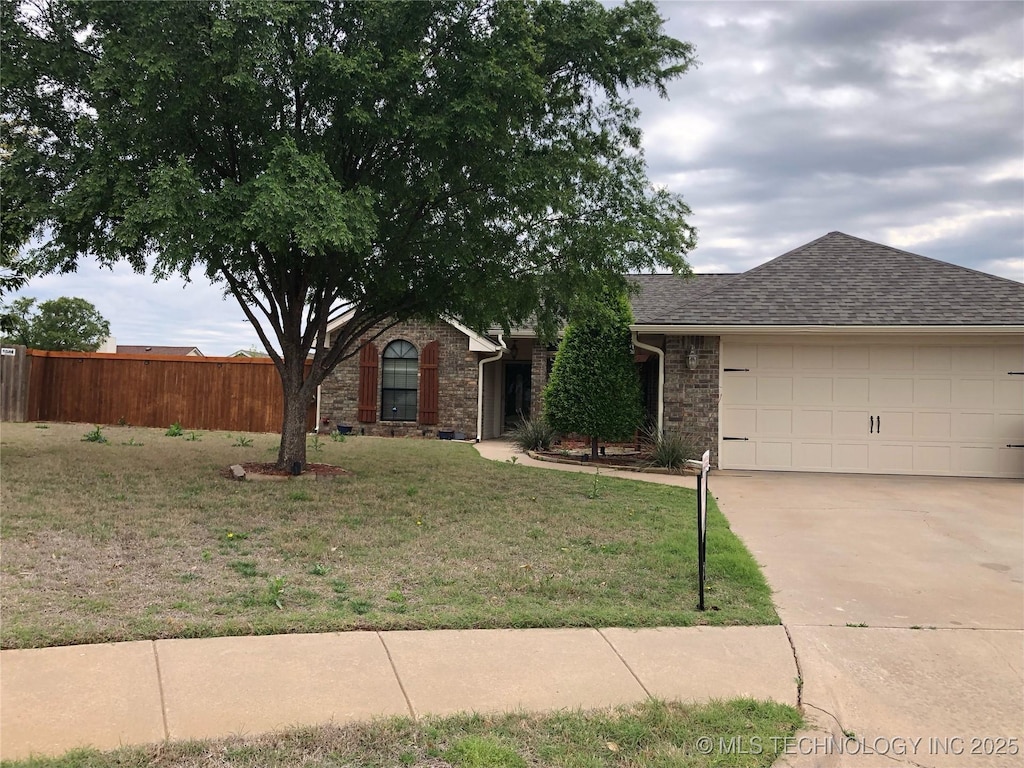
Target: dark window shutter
428	383
368	383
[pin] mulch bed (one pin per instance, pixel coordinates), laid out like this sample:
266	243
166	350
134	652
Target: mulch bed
269	468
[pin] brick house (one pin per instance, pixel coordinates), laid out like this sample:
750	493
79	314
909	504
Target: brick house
839	356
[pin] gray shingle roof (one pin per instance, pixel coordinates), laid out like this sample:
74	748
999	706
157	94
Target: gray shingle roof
661	295
835	280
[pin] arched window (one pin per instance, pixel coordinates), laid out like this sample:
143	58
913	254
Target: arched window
398	382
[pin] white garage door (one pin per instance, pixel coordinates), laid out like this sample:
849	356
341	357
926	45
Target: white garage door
912	407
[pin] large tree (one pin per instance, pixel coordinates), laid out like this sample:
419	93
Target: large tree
68	323
594	388
478	158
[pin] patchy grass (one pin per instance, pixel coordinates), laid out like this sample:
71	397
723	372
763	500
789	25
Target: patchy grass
105	542
735	734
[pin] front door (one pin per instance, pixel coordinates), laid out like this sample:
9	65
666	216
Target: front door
517	394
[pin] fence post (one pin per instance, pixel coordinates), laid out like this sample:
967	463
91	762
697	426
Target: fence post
14	370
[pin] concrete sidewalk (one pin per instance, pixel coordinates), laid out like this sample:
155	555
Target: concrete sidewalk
104	696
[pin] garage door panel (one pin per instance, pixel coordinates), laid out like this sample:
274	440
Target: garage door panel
977	458
814	358
774	390
928	359
892	424
772	454
900	407
813	390
739	356
739	421
739	453
933	393
933	458
933	425
889	391
974	427
853	358
973	393
851	457
774	357
739	389
1009	428
813	456
891	457
852	391
813	422
775	421
974	359
1009	393
852	422
1009	359
1010	461
891	359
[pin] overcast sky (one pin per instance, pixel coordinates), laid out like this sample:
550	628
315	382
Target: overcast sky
898	122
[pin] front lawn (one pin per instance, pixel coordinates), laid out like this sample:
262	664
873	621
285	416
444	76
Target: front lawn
735	734
141	537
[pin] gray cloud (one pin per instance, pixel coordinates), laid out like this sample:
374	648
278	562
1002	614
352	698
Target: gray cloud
899	122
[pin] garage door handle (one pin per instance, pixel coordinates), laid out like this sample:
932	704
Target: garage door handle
872	425
735	438
879	425
1014	445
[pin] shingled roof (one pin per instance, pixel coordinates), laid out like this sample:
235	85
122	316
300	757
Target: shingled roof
137	349
836	280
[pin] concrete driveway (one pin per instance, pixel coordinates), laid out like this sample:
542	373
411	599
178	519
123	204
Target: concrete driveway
904	601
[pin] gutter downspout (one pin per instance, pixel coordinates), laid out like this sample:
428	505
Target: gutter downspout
661	379
480	388
316	427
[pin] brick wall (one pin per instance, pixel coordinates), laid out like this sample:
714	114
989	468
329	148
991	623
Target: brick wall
457	380
691	397
539	377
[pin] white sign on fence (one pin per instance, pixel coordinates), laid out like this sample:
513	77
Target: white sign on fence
8	351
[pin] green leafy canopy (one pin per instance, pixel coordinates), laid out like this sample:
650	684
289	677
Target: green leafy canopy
66	323
472	158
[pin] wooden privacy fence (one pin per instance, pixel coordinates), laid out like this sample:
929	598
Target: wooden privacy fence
229	393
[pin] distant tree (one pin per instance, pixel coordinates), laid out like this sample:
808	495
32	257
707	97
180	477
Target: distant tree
403	160
60	324
15	270
594	388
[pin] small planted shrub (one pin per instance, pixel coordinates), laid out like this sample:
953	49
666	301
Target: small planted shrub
669	449
175	430
533	435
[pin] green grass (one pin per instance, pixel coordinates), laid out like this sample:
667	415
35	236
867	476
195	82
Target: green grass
735	734
106	542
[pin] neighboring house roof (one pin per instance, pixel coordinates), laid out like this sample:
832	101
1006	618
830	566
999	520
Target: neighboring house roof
248	353
839	280
124	349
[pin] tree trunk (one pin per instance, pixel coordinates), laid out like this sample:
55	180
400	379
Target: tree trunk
593	447
293	426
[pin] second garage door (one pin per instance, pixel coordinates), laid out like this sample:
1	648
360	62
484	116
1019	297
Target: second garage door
907	406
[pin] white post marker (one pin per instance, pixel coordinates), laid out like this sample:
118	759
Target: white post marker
702	520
